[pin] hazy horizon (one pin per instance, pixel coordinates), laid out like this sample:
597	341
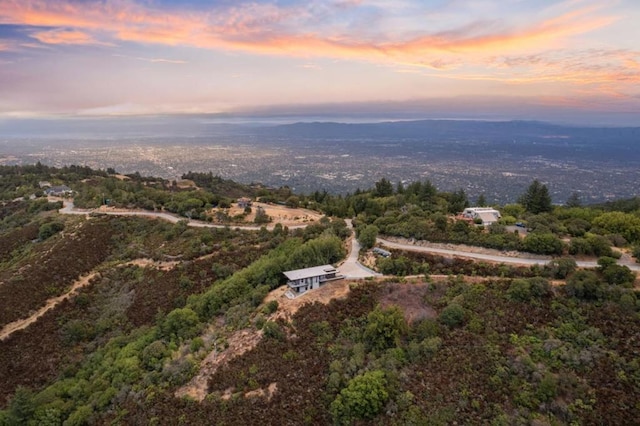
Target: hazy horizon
573	62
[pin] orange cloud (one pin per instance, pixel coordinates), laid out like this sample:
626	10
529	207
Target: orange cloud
59	36
268	29
257	28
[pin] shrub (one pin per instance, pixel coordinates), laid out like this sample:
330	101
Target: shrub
523	290
272	330
561	268
385	327
49	229
270	307
362	399
543	243
453	315
585	285
519	290
182	323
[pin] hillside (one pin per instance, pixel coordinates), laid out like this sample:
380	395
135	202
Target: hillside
142	312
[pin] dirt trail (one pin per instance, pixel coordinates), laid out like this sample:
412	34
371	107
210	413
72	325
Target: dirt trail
244	340
240	342
10	328
150	263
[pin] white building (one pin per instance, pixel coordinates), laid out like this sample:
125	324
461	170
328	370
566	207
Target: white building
487	215
301	280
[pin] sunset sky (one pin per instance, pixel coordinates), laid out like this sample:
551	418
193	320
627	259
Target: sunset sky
485	58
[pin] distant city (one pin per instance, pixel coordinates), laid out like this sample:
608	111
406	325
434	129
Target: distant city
497	159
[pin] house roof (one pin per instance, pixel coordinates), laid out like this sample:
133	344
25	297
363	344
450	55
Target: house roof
60	188
488	217
315	271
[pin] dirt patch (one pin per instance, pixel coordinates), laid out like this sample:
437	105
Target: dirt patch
338	289
150	263
240	342
263	393
410	298
279	214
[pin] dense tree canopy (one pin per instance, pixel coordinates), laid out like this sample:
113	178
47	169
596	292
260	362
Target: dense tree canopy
536	199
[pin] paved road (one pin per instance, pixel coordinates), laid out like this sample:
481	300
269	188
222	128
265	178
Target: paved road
351	268
487	257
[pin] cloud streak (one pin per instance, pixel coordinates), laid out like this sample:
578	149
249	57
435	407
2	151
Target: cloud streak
268	29
485	45
64	36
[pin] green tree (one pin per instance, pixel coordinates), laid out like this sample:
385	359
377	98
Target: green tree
561	268
482	201
453	315
458	201
384	188
584	285
545	243
385	327
536	199
49	229
625	224
362	399
293	202
367	236
261	216
181	323
21	406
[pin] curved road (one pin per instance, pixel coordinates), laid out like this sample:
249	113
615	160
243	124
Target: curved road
351	267
69	208
487	257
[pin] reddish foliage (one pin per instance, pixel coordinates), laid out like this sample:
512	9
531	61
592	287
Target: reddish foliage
33	357
301	380
51	272
161	291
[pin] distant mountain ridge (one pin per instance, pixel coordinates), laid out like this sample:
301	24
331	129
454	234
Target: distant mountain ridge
503	130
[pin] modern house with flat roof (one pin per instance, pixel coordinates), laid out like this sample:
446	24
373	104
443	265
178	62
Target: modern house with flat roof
301	280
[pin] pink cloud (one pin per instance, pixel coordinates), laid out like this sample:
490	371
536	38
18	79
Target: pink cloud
495	51
270	29
63	36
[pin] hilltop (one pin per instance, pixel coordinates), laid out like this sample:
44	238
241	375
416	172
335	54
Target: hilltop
153	322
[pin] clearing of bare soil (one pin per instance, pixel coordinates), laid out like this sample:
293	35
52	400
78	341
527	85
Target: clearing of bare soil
410	298
150	263
288	307
240	342
51	303
279	214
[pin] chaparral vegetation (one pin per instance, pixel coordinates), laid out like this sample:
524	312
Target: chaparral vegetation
116	319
